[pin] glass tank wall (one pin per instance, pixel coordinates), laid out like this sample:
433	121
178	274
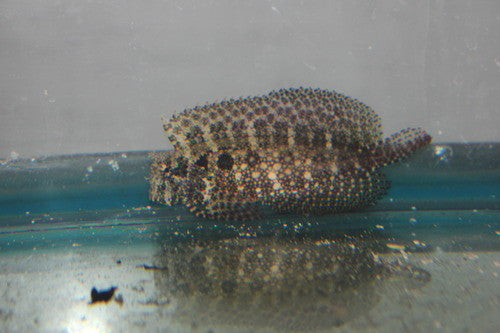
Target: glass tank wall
84	87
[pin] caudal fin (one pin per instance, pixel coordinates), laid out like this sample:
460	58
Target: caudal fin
400	145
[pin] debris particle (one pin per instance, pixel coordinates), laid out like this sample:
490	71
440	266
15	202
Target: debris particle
396	247
426	261
470	256
150	267
161	301
119	299
103	295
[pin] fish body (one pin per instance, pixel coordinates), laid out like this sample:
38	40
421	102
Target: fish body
296	150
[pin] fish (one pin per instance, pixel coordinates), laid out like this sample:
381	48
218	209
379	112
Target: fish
296	150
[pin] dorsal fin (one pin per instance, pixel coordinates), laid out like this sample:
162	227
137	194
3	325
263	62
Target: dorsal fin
305	117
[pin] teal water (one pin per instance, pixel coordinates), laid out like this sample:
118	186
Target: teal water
69	224
447	195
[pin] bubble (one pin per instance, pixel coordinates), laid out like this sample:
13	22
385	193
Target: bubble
443	152
114	165
13	156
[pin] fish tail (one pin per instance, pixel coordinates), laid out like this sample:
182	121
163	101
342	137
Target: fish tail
399	146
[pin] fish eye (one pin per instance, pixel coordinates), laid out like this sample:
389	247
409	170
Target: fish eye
225	161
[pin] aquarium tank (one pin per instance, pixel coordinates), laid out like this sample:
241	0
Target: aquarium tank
249	166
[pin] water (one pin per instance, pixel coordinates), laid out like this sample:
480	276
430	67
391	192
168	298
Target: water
71	223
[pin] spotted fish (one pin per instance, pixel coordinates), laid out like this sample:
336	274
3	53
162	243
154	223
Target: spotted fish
296	150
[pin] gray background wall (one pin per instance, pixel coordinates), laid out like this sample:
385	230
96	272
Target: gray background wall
89	76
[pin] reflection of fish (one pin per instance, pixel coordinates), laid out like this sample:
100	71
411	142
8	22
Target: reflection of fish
297	150
288	284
